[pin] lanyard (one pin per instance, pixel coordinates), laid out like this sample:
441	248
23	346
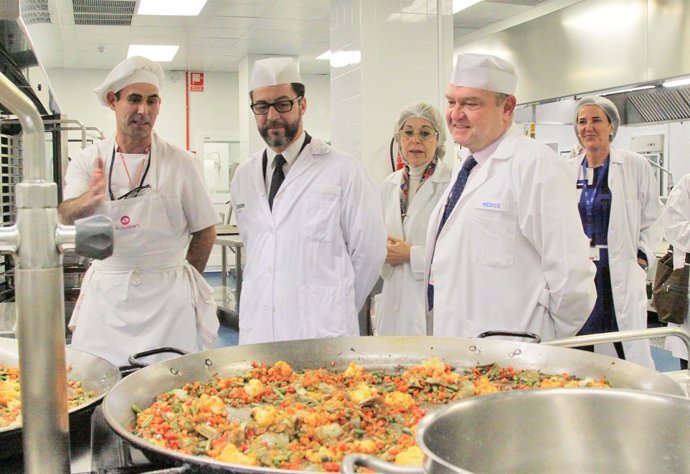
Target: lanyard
110	173
589	194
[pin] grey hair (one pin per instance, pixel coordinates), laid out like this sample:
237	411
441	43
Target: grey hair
426	112
606	105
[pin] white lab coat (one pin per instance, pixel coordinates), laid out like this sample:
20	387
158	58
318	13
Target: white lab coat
312	262
676	224
401	306
146	295
512	255
634	224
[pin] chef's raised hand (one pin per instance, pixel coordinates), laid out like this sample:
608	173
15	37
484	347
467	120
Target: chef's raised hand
97	184
398	251
86	204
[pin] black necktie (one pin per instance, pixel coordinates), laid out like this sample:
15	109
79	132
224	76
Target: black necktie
277	179
453	196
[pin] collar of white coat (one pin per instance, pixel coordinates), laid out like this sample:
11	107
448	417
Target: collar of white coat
290	153
504	146
315	147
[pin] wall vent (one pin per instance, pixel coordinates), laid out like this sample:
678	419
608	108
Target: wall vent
103	12
35	11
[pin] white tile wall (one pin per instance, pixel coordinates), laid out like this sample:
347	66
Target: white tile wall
392	35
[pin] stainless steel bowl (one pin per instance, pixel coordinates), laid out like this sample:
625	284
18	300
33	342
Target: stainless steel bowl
563	431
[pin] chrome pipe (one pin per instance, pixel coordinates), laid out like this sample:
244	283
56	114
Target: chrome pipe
620	336
33	139
40	320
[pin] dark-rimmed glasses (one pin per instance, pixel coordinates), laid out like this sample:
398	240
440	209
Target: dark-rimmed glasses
281	106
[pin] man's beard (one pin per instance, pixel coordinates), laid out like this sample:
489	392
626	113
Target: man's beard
279	141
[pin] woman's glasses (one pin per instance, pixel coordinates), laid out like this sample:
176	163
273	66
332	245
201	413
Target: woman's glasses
423	134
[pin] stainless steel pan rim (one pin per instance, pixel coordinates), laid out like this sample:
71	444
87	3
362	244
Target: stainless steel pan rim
96	374
141	387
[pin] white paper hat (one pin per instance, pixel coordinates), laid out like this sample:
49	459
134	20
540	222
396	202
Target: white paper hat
130	71
484	71
274	71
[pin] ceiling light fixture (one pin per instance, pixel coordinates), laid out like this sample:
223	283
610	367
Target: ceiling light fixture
459	5
341	58
629	89
170	7
161	53
681	81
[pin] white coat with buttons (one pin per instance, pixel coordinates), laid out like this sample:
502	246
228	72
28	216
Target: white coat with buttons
401	306
312	262
512	255
634	224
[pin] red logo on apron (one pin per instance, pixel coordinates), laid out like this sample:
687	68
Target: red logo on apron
124	220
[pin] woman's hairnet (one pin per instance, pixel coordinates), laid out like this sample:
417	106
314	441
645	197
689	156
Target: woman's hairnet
606	105
426	112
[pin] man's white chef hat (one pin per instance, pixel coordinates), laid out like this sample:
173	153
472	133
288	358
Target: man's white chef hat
273	72
484	71
136	69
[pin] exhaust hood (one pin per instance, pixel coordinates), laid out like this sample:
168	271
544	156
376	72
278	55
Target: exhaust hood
658	104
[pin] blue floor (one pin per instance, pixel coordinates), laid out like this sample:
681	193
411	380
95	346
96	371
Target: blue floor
228	336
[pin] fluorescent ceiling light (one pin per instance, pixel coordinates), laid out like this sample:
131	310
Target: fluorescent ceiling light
682	81
170	7
162	53
459	5
342	58
629	89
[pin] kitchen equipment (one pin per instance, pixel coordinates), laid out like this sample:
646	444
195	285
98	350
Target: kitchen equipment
141	387
96	374
559	430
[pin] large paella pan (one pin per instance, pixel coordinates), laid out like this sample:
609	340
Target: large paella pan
141	388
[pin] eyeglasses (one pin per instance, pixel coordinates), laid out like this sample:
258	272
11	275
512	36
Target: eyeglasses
136	192
423	135
281	106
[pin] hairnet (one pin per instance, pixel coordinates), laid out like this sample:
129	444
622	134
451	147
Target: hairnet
484	71
426	112
136	69
606	105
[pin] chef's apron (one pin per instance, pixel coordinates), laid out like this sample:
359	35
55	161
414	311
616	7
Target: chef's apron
146	295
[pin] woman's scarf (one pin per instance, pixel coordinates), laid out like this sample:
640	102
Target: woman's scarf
405	183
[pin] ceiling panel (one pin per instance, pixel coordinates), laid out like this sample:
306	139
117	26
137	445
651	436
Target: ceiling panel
226	30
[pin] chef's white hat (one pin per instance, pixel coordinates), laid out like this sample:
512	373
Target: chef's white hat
484	71
274	71
130	71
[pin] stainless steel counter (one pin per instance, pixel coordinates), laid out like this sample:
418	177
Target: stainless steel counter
228	299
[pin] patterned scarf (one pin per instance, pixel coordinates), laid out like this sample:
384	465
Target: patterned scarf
405	183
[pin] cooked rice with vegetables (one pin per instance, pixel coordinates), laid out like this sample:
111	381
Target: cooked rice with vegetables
275	417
